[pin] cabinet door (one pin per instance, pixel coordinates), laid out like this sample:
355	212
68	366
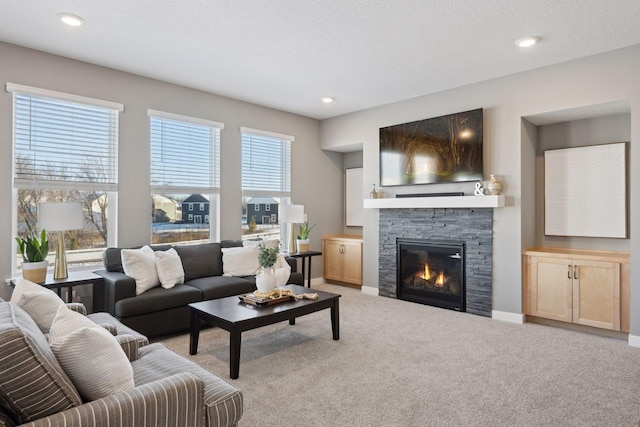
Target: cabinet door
332	256
550	292
596	294
352	262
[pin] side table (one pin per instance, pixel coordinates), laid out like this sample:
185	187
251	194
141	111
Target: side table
75	278
306	272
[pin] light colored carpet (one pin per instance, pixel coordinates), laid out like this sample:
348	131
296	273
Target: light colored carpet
403	364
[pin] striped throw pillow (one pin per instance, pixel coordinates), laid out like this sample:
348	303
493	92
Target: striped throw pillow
89	355
33	383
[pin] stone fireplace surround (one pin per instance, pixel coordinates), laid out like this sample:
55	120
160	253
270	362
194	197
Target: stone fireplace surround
474	226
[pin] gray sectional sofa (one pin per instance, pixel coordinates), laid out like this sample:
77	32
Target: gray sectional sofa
160	311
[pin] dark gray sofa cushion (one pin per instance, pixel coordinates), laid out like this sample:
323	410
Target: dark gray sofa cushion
222	286
201	260
157	299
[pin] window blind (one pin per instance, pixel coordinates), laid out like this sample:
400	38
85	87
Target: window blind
266	165
185	156
61	144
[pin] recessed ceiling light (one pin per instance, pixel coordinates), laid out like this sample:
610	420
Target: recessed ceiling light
527	41
327	99
71	19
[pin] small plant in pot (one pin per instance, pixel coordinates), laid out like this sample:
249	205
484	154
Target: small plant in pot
34	253
303	237
266	278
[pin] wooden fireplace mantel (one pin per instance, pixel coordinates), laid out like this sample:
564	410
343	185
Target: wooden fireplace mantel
436	202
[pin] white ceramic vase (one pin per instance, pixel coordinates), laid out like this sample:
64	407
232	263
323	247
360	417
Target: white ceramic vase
266	280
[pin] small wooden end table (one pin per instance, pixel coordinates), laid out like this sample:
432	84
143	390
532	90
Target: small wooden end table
236	316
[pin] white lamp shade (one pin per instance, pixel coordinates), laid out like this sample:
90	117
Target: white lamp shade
60	216
292	214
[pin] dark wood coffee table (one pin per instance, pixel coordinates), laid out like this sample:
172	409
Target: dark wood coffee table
235	316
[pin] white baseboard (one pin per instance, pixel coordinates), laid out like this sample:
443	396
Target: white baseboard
634	341
369	290
506	316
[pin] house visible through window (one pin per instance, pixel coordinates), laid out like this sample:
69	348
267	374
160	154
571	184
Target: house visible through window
266	182
66	149
185	174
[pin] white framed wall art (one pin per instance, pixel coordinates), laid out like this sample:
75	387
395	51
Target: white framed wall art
585	191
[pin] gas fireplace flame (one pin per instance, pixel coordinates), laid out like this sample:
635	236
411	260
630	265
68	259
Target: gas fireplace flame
427	273
440	280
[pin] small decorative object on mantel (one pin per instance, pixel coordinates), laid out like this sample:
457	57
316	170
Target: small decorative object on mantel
374	193
381	194
479	191
495	185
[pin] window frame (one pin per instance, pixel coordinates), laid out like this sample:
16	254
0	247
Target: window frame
283	193
110	188
213	190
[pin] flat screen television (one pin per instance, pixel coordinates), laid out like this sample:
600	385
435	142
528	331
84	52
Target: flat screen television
437	150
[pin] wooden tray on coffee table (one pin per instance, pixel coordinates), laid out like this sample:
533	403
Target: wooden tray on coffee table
261	302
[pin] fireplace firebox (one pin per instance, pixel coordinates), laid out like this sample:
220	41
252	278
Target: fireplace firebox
431	272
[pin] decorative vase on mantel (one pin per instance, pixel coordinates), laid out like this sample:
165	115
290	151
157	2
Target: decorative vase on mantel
495	185
266	280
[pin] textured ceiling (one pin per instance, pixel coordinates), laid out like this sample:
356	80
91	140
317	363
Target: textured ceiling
287	54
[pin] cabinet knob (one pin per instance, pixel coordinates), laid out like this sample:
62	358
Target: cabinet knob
575	271
569	272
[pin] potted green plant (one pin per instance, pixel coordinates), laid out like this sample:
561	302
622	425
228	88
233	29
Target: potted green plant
303	237
266	277
34	253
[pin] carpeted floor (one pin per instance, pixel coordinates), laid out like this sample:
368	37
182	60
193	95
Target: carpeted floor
403	364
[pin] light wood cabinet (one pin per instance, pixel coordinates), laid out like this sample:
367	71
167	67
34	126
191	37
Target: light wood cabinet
583	287
342	259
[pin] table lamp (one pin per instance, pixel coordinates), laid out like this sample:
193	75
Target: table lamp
291	214
60	217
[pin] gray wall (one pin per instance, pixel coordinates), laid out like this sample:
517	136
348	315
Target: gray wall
509	152
309	162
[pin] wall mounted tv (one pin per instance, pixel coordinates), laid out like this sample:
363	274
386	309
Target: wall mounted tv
437	150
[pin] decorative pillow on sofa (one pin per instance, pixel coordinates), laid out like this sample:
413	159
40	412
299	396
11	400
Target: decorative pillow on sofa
89	355
39	302
240	261
141	265
169	266
34	384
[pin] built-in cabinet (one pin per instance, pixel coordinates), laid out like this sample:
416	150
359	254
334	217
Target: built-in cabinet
342	259
578	286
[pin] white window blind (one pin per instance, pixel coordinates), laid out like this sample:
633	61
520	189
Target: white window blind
266	164
185	154
63	144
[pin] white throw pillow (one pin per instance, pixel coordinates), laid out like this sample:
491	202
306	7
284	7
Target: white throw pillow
283	271
141	265
170	270
89	355
39	302
239	261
